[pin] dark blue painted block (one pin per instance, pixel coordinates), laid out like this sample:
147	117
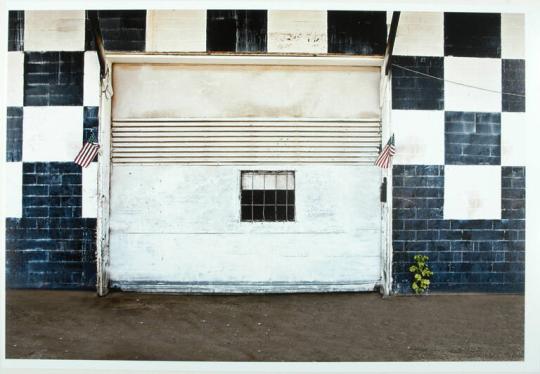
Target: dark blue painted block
415	224
450	235
509	267
510	194
416	246
513	171
61	257
53	78
472	224
356	32
403	213
14	133
427	235
472	34
122	30
478	244
446	257
413	90
439	245
236	30
438	224
517	183
403	235
517	277
91	125
16	30
89	41
52	189
472	138
513	85
431	213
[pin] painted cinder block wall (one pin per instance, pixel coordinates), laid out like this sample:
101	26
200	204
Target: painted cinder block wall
473	233
459	174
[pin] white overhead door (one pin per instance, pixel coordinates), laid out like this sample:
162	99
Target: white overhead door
185	138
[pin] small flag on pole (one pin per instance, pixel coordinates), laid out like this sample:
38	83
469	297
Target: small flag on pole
386	154
87	153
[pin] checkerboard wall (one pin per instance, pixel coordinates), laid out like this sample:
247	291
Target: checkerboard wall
53	95
459	176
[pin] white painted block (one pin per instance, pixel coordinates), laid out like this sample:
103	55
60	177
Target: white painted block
89	191
513	139
297	31
52	133
472	192
484	73
512	35
176	30
54	30
91	79
419	137
13	189
420	34
15	79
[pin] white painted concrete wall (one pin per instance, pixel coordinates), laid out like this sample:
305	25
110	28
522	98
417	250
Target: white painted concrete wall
145	91
179	223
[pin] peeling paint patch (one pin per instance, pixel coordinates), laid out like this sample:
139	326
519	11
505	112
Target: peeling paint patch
297	31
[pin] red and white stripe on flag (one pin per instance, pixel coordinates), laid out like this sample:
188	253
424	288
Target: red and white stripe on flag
87	153
386	154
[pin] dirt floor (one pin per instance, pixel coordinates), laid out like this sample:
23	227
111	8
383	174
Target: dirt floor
302	327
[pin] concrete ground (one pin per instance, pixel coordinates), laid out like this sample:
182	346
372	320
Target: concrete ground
302	327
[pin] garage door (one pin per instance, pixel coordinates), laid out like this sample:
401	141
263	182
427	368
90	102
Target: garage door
235	178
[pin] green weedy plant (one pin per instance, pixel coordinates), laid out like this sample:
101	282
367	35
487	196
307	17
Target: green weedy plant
421	273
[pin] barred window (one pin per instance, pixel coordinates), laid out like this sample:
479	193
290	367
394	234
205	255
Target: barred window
267	196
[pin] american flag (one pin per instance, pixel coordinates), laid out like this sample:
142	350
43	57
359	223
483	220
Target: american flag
386	154
87	153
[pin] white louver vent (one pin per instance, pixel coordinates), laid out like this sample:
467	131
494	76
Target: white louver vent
226	142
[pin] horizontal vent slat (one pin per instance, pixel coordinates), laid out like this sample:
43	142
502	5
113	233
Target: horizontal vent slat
225	142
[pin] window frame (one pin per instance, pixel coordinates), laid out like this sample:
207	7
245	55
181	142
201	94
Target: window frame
287	204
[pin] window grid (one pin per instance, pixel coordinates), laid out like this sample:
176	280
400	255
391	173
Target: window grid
271	201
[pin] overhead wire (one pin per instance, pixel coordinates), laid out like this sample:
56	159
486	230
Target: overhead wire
456	83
